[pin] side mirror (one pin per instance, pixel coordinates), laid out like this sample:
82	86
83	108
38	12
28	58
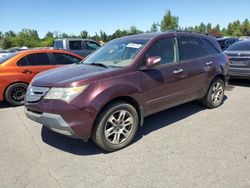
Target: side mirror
151	62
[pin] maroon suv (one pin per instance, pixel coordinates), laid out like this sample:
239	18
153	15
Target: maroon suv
107	96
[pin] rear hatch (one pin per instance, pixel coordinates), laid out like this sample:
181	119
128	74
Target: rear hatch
239	59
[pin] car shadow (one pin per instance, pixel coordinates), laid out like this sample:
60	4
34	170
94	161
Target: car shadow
4	105
151	124
70	145
239	82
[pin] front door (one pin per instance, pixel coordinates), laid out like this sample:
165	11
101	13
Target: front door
164	86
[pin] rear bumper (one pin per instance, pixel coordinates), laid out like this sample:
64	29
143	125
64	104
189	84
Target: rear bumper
239	72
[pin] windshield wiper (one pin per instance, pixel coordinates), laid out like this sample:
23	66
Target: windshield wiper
99	64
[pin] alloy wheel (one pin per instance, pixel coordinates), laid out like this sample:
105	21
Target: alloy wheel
118	127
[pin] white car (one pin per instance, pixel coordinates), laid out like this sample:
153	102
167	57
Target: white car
4	53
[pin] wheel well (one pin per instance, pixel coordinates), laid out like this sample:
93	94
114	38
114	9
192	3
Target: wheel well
126	99
12	84
222	77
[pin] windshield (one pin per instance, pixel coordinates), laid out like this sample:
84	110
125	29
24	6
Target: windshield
7	57
117	53
239	46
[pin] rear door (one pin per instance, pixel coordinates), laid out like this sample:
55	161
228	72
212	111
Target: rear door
32	64
194	63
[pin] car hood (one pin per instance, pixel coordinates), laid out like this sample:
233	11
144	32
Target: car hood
72	75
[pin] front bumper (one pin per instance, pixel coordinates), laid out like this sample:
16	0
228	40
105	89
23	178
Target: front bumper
75	120
52	121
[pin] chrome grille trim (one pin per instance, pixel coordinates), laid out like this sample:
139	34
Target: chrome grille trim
35	93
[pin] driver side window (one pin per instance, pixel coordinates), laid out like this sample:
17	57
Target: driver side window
164	48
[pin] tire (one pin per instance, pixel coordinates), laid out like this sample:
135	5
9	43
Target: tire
109	132
215	94
15	94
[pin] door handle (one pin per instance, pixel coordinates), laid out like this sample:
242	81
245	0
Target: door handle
177	71
209	63
27	71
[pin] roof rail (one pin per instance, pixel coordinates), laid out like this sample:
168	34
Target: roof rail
187	31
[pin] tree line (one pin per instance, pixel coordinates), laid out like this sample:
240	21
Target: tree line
30	37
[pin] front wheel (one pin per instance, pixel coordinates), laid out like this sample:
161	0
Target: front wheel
215	94
116	126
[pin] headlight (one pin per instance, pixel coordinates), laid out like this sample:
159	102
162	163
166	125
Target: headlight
65	94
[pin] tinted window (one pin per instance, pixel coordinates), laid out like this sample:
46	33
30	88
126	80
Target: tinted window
22	62
38	59
7	57
210	49
75	45
166	49
92	45
191	48
239	46
63	59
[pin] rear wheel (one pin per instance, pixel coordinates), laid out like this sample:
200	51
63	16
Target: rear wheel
215	94
15	94
116	126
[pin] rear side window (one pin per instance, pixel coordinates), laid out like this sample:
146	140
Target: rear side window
75	45
92	45
210	49
38	59
22	62
166	49
64	59
191	48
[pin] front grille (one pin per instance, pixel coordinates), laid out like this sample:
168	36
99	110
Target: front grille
35	94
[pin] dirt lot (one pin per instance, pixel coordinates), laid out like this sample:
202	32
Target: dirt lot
187	146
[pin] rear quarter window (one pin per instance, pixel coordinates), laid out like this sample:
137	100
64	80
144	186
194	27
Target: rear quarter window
22	62
210	49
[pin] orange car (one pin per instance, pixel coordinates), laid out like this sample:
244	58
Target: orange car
17	70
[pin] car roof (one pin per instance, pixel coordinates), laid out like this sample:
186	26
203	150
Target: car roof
31	51
74	39
153	35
